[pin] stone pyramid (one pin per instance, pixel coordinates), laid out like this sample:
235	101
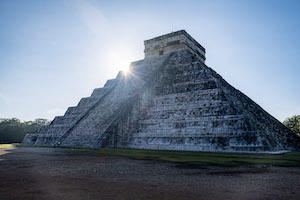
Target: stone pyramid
169	100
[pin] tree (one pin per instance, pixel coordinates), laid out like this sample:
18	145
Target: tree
13	130
293	123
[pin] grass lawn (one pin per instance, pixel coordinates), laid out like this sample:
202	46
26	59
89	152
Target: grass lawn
189	157
192	157
7	146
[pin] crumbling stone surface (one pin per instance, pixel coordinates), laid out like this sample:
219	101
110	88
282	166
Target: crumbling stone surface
170	100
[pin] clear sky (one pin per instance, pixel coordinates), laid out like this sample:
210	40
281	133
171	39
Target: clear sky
54	52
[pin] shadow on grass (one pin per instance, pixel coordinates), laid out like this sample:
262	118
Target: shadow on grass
199	158
290	159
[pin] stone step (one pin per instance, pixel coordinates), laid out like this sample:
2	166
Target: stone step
83	105
192	101
76	111
190	97
183	142
30	139
60	120
186	113
197	147
187	76
195	119
180	124
199	83
236	133
42	130
98	92
57	129
184	87
110	83
188	106
46	139
190	130
87	102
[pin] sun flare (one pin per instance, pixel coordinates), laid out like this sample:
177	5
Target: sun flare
125	71
121	58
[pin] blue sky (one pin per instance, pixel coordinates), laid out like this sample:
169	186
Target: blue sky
54	52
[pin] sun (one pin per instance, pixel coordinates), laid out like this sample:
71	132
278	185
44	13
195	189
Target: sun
121	60
126	71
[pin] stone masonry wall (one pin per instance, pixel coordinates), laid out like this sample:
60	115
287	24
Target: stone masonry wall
189	108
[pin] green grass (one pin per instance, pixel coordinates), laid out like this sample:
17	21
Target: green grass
40	146
48	146
206	158
191	157
7	146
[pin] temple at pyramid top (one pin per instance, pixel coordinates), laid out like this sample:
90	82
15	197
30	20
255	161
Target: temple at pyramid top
174	41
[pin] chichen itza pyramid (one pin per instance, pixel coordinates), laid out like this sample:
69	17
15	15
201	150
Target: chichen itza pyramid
169	100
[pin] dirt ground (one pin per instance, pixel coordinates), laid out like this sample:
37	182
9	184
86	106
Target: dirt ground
45	173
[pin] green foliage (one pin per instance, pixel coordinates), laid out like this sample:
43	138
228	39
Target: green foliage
293	123
12	130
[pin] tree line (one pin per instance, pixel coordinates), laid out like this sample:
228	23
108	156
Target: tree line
13	130
293	123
